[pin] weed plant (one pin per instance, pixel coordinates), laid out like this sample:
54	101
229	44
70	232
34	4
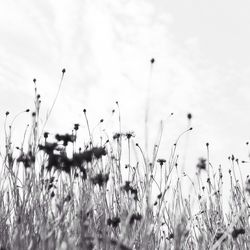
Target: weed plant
55	195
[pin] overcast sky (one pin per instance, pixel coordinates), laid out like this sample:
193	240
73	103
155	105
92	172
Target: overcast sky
201	51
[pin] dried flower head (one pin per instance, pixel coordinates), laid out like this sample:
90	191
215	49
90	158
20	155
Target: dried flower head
76	126
201	164
100	179
237	231
135	217
161	161
189	116
114	222
27	159
98	152
66	138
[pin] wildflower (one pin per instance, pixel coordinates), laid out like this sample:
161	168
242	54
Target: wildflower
53	161
48	147
117	136
114	222
7	113
161	161
98	152
237	231
127	186
27	159
152	60
84	156
201	164
135	217
45	135
129	135
189	116
65	138
63	71
76	126
100	179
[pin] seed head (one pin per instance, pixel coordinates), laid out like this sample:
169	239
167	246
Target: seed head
189	116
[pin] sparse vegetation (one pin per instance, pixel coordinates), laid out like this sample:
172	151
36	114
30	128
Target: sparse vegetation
55	195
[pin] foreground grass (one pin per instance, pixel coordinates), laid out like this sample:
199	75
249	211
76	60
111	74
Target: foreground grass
55	195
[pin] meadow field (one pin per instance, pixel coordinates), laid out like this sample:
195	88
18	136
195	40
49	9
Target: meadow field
108	193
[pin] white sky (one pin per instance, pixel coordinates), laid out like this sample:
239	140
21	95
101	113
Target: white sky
202	66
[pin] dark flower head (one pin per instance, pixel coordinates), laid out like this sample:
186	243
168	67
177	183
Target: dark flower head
189	116
152	60
63	71
135	217
237	231
117	136
45	135
48	147
129	135
161	161
76	126
65	138
114	222
100	179
27	159
81	157
201	164
7	113
53	161
98	152
127	186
